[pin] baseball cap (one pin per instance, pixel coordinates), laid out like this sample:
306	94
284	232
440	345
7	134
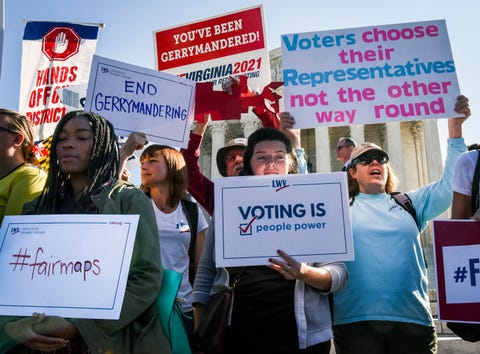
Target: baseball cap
231	144
362	149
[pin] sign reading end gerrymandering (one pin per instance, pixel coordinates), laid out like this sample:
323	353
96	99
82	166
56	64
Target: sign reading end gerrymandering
366	75
137	99
66	265
305	215
457	261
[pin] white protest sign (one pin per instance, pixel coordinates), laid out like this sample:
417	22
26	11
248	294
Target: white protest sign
369	75
73	97
137	99
462	286
66	265
305	215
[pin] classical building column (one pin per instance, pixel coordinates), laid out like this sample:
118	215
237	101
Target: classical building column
433	154
395	151
322	147
218	141
357	133
416	129
250	123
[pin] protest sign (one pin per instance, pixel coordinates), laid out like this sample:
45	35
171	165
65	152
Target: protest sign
306	216
457	261
65	265
367	75
213	49
137	99
54	55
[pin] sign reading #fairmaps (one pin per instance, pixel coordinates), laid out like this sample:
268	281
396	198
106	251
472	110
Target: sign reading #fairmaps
137	99
68	265
305	215
366	75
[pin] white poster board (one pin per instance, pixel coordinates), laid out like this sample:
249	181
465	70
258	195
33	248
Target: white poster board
305	215
137	99
369	75
67	265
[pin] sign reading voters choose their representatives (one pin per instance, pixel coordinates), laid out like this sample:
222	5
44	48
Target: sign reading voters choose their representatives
306	216
369	75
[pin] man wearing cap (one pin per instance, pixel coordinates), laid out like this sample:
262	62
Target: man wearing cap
344	150
229	159
384	307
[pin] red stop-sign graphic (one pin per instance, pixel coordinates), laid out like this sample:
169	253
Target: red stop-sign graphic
61	43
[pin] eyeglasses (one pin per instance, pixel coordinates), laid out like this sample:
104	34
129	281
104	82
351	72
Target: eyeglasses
2	129
367	159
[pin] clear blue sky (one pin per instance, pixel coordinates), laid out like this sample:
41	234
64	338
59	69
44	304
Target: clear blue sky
129	26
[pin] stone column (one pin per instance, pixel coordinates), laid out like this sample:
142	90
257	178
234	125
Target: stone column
322	148
250	123
357	133
416	129
394	148
218	141
432	149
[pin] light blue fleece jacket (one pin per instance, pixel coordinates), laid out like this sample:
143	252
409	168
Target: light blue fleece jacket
388	278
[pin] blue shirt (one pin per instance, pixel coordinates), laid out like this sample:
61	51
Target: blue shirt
388	278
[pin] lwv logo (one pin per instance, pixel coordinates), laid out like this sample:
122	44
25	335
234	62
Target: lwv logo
279	184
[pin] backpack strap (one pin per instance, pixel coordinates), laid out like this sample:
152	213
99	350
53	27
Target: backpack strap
405	202
191	211
475	186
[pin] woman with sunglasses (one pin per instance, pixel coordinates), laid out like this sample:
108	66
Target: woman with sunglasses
20	181
384	308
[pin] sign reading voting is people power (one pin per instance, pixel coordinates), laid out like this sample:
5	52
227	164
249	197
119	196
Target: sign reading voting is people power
137	99
305	215
72	266
375	74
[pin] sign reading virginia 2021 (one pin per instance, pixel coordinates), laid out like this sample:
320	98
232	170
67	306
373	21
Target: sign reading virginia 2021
306	216
368	75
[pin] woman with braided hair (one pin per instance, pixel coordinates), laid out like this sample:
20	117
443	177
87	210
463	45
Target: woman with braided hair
20	180
82	179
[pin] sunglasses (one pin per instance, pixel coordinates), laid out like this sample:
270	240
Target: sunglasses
367	159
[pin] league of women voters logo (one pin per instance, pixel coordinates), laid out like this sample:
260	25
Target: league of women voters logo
61	43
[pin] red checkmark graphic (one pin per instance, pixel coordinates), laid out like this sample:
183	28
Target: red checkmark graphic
244	230
279	189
